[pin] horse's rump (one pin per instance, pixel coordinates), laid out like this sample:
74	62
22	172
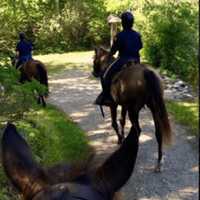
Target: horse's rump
35	69
130	83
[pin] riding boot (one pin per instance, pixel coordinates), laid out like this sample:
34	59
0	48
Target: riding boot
104	99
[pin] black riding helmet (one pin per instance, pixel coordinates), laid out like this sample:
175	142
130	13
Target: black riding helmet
127	20
22	36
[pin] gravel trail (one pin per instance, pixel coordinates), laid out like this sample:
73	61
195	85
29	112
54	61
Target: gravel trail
74	92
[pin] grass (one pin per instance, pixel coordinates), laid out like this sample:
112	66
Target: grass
53	138
185	113
74	60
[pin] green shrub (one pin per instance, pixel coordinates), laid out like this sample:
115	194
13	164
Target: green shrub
16	98
171	37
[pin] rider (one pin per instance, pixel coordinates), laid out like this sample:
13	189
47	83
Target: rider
23	50
128	42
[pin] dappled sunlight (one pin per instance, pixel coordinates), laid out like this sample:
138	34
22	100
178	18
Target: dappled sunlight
72	60
190	137
195	169
79	114
32	134
72	57
95	132
74	92
66	81
145	138
187	192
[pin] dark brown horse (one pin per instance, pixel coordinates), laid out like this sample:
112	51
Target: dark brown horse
66	182
33	69
134	87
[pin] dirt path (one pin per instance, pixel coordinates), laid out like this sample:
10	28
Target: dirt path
74	92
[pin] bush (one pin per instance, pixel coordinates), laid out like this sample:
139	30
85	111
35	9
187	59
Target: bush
16	98
171	38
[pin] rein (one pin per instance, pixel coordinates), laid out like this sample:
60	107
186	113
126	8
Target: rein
102	111
111	61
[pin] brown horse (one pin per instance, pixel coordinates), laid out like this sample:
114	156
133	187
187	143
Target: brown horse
134	87
33	69
66	182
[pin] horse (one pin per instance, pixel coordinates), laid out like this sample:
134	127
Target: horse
62	181
33	69
135	87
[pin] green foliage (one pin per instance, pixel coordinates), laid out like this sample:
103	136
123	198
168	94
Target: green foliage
53	138
67	61
16	98
171	37
169	32
185	113
64	140
54	26
169	29
117	7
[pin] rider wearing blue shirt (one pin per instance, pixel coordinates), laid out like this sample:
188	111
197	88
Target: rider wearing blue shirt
128	43
23	50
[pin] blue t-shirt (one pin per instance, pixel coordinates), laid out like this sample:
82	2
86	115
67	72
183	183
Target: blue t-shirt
128	43
25	48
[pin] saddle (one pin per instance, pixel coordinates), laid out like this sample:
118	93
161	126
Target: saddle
130	63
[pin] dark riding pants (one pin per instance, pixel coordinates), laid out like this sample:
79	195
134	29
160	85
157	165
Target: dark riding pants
22	60
111	71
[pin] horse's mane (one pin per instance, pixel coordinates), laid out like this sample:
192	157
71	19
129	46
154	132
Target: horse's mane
69	173
103	48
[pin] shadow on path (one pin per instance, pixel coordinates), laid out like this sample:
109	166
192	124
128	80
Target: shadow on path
74	92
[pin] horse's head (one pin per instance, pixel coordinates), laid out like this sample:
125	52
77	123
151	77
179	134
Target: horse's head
100	62
36	183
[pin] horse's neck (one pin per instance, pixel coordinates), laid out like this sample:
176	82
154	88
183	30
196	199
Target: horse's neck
119	166
111	60
108	64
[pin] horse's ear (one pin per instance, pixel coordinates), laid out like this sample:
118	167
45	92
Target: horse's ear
19	164
117	169
96	50
103	50
100	51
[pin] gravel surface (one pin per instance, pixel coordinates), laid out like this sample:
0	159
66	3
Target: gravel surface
74	92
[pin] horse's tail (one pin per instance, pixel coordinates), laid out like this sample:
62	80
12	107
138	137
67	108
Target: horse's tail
157	105
42	74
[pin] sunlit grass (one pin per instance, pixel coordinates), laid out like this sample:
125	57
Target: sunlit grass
52	137
72	60
186	113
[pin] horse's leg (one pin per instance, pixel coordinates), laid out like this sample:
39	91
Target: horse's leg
39	100
158	138
43	101
134	118
113	110
123	120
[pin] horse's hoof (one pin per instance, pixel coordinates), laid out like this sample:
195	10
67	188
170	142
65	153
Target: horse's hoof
120	141
158	168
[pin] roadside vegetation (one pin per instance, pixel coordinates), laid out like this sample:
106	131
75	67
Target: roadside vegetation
169	32
52	136
73	60
186	113
169	29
